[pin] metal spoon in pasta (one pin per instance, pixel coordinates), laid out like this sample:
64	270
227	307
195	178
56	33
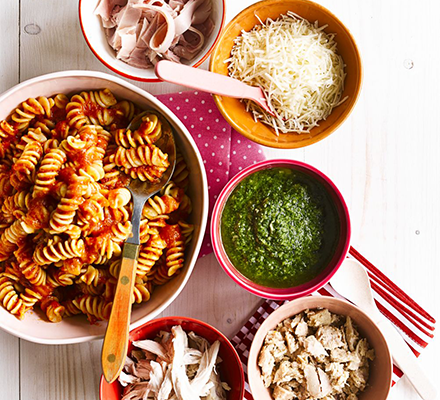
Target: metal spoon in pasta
114	349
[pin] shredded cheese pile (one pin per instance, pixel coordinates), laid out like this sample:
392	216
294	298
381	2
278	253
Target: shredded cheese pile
296	64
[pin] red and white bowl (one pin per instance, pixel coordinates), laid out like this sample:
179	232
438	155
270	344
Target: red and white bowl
327	272
230	369
95	37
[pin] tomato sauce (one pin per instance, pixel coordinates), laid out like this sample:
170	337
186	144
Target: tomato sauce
171	234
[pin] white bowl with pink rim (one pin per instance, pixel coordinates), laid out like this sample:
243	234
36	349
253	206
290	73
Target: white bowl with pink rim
94	34
34	327
327	272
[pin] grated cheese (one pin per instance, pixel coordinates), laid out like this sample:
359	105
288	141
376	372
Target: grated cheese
296	64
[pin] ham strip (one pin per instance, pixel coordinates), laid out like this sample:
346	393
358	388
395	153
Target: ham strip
145	31
105	8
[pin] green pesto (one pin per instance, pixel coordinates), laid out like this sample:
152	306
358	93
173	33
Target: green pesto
279	227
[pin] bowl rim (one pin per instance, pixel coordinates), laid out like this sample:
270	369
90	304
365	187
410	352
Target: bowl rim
272	143
306	301
102	380
228	266
204	193
138	78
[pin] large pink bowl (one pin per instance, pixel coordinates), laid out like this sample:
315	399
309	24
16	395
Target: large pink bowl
327	272
230	369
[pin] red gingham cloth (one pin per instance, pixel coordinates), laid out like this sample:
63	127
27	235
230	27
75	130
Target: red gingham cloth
412	321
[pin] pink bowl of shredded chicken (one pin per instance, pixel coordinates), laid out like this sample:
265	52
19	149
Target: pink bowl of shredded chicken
131	36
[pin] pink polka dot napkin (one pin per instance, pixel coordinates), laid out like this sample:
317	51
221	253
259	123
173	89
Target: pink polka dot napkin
224	151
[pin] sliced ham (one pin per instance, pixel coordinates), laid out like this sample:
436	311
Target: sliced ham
144	31
105	8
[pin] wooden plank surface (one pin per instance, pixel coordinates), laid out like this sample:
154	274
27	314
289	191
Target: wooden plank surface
384	159
9	76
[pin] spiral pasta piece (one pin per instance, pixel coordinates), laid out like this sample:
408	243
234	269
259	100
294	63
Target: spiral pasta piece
53	309
181	172
145	173
127	109
150	228
187	230
57	277
6	130
118	198
30	297
93	276
159	207
10	239
6	189
48	171
10	299
57	250
160	274
90	289
70	309
27	163
15	206
151	128
46	125
29	109
65	212
94	307
175	257
114	268
75	115
141	156
141	291
149	253
33	272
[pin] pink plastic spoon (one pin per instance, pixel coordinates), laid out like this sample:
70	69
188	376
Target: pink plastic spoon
210	82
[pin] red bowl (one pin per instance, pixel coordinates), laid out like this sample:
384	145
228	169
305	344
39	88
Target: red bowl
230	369
327	272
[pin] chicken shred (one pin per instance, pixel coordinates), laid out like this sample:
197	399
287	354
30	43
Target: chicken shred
315	355
173	366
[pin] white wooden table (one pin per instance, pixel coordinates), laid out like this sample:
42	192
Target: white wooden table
385	160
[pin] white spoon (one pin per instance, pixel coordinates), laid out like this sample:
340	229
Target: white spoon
352	282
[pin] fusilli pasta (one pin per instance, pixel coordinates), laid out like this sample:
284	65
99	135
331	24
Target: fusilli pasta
65	211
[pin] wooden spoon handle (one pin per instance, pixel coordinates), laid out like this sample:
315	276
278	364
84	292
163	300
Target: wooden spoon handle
114	348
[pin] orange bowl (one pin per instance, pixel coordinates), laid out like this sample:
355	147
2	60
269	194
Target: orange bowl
379	381
235	112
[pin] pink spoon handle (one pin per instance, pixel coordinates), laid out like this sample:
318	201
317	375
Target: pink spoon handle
208	82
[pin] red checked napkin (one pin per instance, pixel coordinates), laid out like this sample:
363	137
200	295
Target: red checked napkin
224	151
413	322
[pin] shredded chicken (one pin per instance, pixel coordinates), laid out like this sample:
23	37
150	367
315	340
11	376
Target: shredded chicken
315	355
173	366
142	32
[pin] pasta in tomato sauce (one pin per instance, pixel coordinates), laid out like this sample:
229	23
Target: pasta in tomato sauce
65	211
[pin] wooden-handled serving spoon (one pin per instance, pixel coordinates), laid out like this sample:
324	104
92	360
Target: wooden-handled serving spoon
114	348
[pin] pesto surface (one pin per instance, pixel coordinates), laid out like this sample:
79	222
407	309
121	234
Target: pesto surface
279	227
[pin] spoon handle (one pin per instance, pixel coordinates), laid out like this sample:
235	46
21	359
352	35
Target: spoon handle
205	81
406	361
114	348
